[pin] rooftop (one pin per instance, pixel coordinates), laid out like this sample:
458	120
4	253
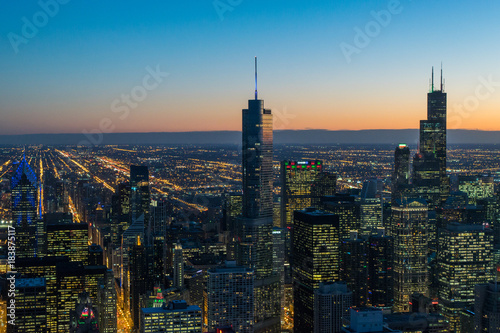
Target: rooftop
457	227
173	306
31	282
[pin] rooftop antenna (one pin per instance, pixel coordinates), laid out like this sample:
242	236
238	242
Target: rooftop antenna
442	85
255	78
441	76
432	85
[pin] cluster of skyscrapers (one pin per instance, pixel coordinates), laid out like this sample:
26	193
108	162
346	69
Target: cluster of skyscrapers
417	253
61	284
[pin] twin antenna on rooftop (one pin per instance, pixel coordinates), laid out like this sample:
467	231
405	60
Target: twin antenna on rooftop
432	79
255	78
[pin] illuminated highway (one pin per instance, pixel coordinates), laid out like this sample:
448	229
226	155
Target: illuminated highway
99	180
5	168
40	189
123	169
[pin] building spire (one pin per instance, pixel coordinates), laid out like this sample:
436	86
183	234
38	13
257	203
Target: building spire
432	78
256	78
442	84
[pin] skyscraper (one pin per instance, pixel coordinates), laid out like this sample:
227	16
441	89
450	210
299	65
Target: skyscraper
331	305
70	281
380	271
155	235
24	209
106	301
401	173
301	183
159	212
230	297
427	178
487	307
138	277
195	283
178	263
93	277
257	151
157	256
46	267
30	306
348	210
121	212
279	238
433	133
279	266
254	226
316	259
370	208
465	259
95	255
139	192
354	268
409	230
231	208
68	239
256	222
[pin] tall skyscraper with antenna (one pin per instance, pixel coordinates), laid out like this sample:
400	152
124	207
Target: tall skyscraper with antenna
257	158
433	133
254	226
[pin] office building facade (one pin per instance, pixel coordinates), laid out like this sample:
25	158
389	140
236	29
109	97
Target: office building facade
316	259
409	230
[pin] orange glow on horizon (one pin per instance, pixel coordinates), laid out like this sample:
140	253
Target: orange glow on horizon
361	114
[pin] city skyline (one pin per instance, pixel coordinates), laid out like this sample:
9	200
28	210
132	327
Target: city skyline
280	223
313	65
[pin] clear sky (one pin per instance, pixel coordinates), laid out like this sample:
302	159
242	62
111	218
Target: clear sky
72	70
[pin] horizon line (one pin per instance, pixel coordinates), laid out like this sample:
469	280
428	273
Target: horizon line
276	130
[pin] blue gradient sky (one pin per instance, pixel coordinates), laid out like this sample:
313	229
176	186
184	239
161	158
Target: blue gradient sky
65	78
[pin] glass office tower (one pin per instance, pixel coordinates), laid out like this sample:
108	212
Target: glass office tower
254	226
